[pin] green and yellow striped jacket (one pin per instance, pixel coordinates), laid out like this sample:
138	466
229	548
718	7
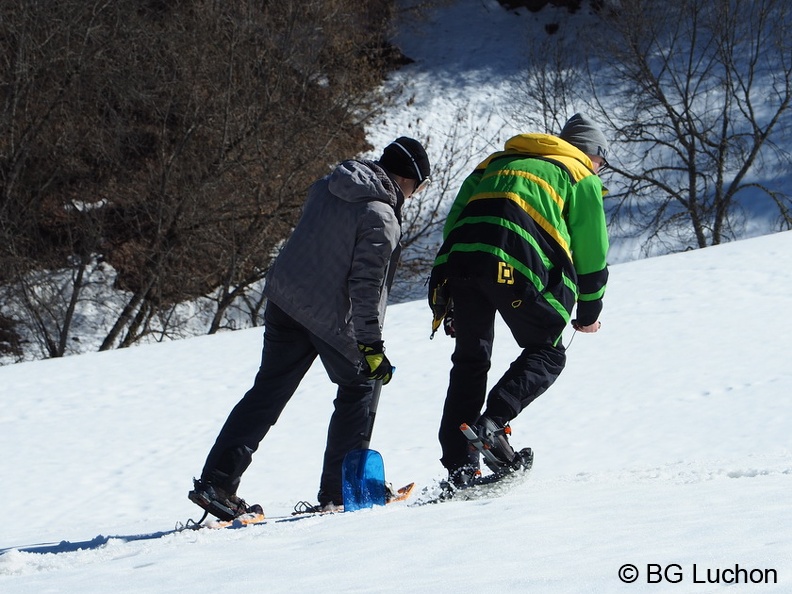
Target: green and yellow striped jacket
534	209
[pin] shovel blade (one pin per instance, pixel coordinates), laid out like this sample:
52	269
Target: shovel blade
363	480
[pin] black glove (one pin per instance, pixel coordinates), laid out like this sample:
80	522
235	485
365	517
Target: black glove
448	324
375	364
441	303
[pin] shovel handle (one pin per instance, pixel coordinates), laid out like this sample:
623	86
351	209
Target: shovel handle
375	396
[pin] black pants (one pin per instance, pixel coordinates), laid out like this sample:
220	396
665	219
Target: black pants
536	327
289	350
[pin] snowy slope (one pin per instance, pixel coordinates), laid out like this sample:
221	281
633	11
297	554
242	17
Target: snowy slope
666	441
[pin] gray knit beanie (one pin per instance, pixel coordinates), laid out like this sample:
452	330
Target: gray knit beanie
583	133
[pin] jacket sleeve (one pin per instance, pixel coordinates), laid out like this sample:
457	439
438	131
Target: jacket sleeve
589	245
377	237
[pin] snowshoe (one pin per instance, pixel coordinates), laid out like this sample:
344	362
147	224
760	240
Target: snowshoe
219	503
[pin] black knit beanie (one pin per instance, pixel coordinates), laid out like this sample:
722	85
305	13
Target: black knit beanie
407	158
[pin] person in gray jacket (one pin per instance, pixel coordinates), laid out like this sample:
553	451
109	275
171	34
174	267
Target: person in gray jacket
327	292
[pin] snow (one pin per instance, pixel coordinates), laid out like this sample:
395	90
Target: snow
666	442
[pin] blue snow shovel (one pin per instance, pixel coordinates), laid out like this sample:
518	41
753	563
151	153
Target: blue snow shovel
363	471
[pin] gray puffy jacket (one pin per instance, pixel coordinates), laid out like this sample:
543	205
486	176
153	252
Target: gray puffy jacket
334	273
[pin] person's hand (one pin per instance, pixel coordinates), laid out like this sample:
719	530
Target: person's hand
441	303
375	364
588	312
590	329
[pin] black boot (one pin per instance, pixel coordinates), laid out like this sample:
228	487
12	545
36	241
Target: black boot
219	502
216	491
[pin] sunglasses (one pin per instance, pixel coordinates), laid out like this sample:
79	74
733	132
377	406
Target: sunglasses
420	185
603	165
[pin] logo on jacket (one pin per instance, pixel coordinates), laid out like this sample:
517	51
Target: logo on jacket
505	273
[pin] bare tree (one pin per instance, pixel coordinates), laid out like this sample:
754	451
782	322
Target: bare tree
696	97
41	61
703	92
550	86
275	92
9	339
174	141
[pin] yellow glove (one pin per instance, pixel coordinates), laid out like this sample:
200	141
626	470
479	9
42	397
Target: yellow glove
375	364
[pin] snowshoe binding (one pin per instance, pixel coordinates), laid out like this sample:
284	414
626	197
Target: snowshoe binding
221	504
492	441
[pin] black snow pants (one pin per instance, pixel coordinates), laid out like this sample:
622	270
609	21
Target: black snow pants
288	352
536	327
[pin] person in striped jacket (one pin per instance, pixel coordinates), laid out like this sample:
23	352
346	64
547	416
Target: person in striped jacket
526	237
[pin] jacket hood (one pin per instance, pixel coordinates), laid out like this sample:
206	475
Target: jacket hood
363	181
546	145
542	145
